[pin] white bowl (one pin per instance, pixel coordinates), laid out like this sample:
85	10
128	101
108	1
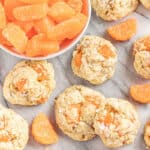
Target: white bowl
63	50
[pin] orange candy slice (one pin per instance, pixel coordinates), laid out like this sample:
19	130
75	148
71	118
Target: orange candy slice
123	31
3	40
76	5
25	25
30	12
61	11
2	17
43	25
34	1
68	29
141	93
39	45
106	51
78	59
9	5
51	2
16	36
43	131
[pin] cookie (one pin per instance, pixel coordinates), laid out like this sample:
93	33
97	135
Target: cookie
110	10
116	123
75	110
94	59
145	3
147	134
29	83
14	132
141	52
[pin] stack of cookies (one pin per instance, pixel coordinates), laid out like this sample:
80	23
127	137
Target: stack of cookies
82	113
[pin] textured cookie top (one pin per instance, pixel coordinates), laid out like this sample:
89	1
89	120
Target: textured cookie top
29	83
142	44
142	63
116	123
146	3
113	9
13	130
147	134
94	59
75	110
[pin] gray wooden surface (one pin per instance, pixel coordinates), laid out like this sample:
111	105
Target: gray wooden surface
118	86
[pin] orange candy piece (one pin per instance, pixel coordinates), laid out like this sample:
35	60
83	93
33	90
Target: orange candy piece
43	25
78	59
34	1
25	25
106	51
85	7
16	36
39	45
30	12
141	93
2	17
123	31
51	2
76	5
20	85
61	11
68	29
9	5
3	40
43	131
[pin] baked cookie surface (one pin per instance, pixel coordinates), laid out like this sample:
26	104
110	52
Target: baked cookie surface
94	59
14	132
75	110
146	3
147	134
116	123
29	83
110	10
141	52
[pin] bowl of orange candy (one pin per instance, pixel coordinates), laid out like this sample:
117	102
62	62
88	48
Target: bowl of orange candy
42	29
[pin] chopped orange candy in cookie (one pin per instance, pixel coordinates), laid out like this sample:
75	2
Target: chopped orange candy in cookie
42	72
123	31
2	17
43	25
106	51
67	29
146	42
76	5
5	138
42	130
30	12
16	36
61	11
108	119
141	93
9	5
34	1
39	45
78	59
20	85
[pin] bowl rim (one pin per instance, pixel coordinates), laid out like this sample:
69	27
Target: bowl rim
64	50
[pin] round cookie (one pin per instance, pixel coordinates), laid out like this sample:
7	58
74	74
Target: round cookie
94	59
116	123
75	110
110	10
147	134
29	83
146	3
14	132
141	51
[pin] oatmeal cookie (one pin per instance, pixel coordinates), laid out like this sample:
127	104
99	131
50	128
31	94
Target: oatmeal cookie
14	132
94	59
29	83
111	10
146	3
141	52
116	123
75	110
